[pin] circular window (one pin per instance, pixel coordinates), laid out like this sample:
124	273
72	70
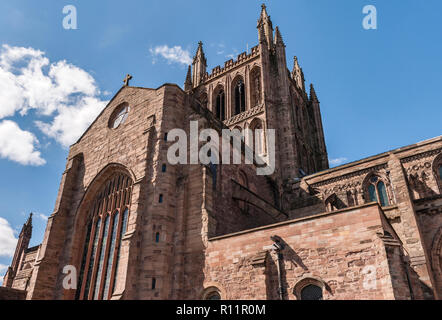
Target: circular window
119	117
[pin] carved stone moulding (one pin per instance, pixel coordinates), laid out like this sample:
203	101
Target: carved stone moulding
245	115
350	175
421	155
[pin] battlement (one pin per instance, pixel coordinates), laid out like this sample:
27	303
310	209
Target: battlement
230	64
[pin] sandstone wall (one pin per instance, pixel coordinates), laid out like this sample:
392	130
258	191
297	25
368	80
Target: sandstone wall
342	250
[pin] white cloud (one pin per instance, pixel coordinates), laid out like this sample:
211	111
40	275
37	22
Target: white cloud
7	239
62	91
337	161
174	54
232	55
18	145
71	122
220	48
42	216
3	269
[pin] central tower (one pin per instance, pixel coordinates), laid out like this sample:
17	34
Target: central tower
257	91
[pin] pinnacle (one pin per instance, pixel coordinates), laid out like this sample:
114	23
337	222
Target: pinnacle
278	36
313	95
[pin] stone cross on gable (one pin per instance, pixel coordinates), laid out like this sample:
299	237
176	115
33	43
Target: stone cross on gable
127	79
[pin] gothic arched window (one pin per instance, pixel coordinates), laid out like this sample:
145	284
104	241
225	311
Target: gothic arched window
239	97
377	191
309	289
256	140
220	104
255	86
107	224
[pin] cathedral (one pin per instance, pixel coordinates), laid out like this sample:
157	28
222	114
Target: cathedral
129	225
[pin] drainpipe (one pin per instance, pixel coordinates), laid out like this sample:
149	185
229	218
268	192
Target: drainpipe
278	246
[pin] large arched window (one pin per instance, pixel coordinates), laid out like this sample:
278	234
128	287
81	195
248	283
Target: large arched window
239	101
220	104
108	218
377	191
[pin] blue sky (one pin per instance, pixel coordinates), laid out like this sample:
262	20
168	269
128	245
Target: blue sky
379	89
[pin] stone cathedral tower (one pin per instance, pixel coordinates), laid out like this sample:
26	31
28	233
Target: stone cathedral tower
134	225
258	91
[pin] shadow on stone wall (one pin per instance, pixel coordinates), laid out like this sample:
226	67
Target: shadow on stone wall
12	294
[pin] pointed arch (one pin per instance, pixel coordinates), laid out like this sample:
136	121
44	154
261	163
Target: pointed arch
100	224
310	289
255	86
437	171
436	253
213	291
376	189
219	102
256	140
238	90
242	178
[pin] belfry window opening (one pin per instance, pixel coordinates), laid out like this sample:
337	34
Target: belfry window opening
240	98
221	105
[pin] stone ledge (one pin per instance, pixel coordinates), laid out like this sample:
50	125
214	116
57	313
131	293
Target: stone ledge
312	217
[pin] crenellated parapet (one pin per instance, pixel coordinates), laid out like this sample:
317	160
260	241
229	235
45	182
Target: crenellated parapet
231	64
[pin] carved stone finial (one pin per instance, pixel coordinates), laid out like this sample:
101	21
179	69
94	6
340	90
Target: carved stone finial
278	37
29	221
313	96
188	83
